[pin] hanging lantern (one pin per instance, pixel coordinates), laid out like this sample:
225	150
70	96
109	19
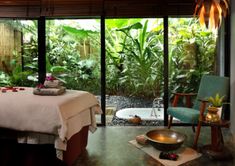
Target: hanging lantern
211	12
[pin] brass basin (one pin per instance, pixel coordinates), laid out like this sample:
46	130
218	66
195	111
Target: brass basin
165	139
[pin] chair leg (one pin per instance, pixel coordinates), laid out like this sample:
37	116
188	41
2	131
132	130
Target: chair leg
197	135
193	127
170	122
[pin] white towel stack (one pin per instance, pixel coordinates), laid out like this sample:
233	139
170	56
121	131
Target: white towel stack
53	84
51	88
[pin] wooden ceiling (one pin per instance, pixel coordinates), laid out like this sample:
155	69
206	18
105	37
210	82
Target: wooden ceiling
108	8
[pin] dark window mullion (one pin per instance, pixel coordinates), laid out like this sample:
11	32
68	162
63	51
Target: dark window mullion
166	70
41	49
103	70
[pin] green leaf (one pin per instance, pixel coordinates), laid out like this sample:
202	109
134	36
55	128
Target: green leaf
81	33
216	101
137	25
58	69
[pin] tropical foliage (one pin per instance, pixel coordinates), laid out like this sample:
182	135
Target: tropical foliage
73	56
23	65
192	54
138	64
134	55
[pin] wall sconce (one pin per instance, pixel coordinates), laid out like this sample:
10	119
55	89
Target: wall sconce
211	12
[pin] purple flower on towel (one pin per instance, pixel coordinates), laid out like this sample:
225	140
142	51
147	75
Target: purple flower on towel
50	78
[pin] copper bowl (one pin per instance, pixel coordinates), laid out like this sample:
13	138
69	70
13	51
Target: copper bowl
165	139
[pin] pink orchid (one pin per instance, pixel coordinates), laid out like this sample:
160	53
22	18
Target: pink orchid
40	86
50	78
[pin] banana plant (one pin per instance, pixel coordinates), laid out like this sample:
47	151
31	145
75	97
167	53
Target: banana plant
143	59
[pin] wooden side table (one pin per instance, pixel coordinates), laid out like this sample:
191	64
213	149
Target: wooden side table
216	150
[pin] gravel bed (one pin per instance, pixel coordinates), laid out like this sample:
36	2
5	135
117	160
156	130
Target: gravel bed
127	102
123	122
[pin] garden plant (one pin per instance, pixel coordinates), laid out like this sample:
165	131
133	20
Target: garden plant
134	56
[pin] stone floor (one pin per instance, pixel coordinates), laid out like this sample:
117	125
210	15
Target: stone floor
109	146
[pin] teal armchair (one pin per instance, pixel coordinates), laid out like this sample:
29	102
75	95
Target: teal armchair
209	86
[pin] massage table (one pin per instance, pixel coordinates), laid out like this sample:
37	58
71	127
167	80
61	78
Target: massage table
63	120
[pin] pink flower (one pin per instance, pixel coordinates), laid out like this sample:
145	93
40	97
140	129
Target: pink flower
50	78
40	86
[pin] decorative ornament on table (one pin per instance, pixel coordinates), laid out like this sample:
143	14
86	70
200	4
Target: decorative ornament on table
215	108
50	78
52	82
51	87
211	12
40	86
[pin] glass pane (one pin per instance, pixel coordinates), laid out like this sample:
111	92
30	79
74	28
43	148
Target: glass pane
192	53
18	52
134	70
73	53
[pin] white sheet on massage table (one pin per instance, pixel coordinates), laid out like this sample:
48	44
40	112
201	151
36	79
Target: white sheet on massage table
75	124
57	115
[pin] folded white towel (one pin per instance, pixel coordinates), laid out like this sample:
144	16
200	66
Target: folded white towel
53	84
49	91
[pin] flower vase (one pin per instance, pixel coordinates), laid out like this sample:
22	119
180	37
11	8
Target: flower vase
212	115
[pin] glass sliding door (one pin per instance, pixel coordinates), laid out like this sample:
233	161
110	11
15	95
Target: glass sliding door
18	52
73	53
134	70
192	53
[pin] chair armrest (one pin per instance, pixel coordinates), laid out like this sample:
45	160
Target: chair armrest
185	94
203	100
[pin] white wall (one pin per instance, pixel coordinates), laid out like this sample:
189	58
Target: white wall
232	78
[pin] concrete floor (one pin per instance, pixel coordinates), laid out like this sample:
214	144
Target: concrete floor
109	146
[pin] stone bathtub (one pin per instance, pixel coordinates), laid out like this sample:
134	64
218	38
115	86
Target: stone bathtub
143	113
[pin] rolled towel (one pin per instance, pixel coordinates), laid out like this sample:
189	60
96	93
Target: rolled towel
141	139
49	91
53	84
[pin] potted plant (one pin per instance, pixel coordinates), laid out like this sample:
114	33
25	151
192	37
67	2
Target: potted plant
215	108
